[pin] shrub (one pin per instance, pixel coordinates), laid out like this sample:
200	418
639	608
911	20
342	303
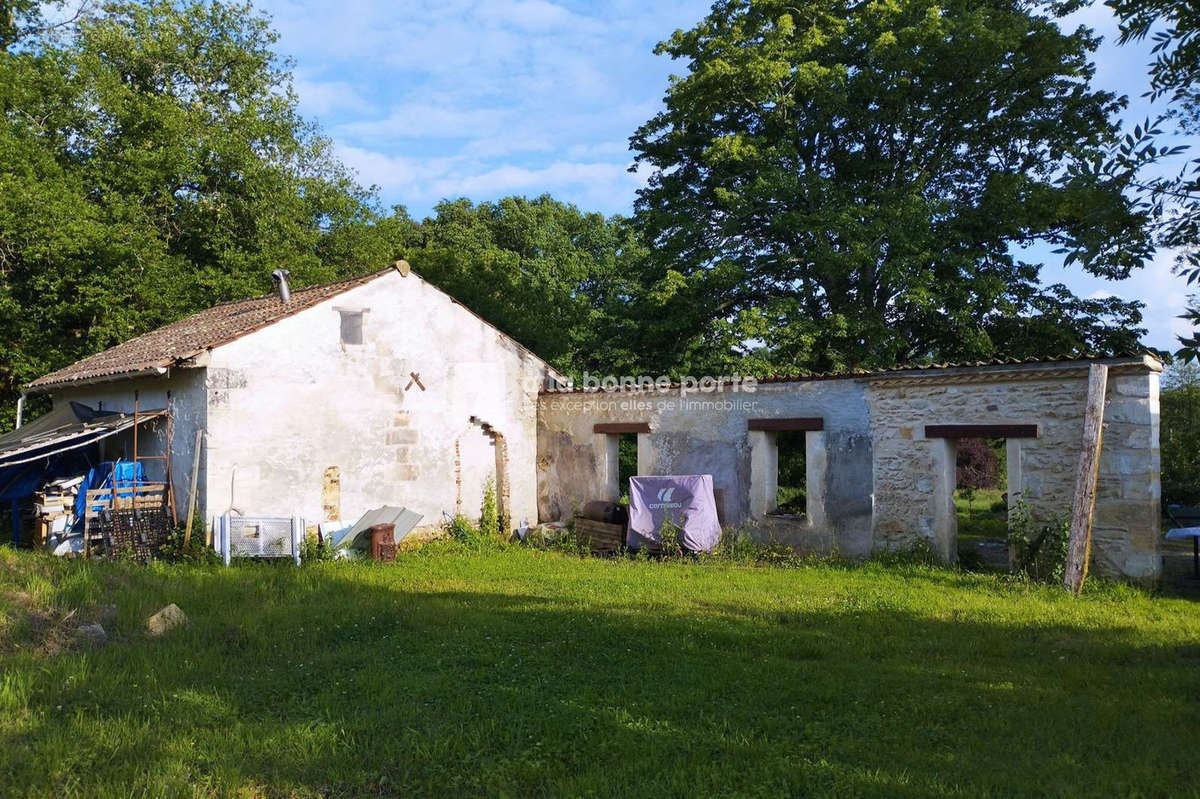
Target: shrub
977	464
313	549
195	552
462	532
489	517
737	545
1040	550
670	537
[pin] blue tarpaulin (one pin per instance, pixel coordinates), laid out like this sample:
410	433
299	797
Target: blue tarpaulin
109	474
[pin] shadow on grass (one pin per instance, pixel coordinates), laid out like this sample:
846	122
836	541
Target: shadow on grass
319	683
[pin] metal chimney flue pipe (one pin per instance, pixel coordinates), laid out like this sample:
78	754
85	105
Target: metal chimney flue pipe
281	277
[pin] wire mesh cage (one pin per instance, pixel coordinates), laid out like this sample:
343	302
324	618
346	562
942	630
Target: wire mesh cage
260	537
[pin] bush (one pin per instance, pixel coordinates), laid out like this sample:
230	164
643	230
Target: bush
461	531
313	549
670	537
489	517
1040	550
977	464
196	552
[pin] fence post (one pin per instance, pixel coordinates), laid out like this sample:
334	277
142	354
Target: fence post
225	539
297	537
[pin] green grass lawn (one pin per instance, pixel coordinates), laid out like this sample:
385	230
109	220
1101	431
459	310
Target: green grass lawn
982	514
522	673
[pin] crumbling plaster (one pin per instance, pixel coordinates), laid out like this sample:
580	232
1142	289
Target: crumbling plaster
285	405
292	400
707	433
876	481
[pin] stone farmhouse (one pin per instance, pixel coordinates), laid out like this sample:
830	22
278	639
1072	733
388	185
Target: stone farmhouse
383	390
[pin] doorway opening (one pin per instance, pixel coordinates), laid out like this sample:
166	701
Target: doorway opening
791	487
618	443
627	461
981	503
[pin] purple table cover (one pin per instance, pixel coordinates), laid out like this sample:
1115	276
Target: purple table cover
685	499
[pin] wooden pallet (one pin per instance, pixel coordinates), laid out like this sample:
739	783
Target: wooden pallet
132	517
600	537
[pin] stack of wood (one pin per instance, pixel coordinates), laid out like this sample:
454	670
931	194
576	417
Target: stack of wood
54	507
601	538
600	526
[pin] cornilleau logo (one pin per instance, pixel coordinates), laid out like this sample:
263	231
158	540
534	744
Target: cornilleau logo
664	499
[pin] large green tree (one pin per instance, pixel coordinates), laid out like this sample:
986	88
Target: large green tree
553	277
155	164
1174	28
841	184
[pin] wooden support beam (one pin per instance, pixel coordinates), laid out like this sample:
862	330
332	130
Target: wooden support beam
1079	545
982	431
805	423
187	530
166	457
621	427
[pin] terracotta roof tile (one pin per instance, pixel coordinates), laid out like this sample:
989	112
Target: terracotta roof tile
195	334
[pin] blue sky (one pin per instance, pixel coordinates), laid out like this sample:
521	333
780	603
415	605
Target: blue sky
430	100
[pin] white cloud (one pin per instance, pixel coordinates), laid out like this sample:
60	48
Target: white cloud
418	120
482	98
321	97
424	182
558	175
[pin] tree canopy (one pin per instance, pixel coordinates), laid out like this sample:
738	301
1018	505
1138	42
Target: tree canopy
850	184
844	185
554	278
1174	27
156	164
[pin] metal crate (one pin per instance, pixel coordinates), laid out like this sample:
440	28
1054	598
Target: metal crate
260	537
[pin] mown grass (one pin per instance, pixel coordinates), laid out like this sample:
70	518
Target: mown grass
982	514
522	673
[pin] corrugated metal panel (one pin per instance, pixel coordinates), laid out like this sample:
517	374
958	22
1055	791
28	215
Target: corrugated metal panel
62	430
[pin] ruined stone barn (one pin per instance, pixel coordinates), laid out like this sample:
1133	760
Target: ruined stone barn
379	390
879	452
383	390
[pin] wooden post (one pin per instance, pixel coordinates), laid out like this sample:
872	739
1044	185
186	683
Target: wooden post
170	435
187	530
1079	546
135	439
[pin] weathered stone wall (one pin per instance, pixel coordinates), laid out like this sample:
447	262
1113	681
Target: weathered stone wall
706	433
914	475
875	480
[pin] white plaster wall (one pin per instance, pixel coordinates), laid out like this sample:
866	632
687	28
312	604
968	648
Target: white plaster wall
290	401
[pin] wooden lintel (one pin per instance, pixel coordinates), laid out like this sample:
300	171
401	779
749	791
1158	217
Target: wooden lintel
806	423
982	431
621	427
